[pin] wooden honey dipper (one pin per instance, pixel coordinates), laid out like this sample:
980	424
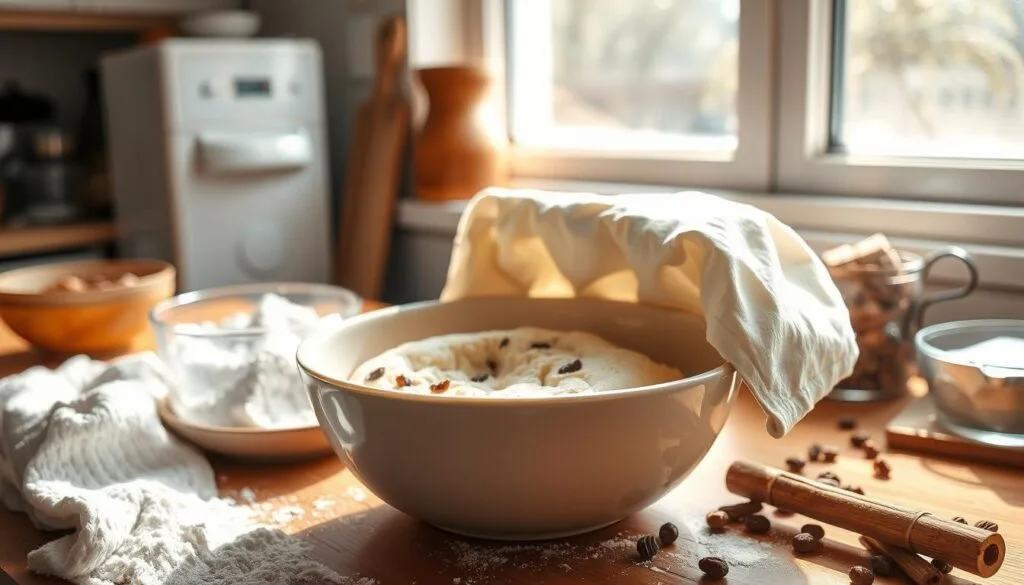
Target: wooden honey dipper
974	550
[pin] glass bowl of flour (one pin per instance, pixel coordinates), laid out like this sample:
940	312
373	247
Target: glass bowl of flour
232	350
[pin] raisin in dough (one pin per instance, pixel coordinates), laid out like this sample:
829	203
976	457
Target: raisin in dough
524	362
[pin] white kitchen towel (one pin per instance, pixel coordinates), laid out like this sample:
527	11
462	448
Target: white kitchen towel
82	448
771	308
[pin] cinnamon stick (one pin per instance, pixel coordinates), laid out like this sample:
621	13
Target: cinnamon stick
971	549
920	571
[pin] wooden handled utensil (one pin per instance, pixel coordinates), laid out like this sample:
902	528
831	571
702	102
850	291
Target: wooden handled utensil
965	547
374	166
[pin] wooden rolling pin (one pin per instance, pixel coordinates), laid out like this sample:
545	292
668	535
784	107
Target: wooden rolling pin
374	169
974	550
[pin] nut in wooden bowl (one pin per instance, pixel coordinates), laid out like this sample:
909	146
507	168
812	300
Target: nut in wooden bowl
93	307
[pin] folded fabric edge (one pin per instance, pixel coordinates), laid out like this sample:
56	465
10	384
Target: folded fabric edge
780	420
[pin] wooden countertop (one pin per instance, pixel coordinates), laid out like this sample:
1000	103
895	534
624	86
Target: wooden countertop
353	532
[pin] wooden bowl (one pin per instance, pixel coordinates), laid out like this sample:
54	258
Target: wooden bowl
92	321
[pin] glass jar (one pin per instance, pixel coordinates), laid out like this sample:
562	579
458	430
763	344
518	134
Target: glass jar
52	181
886	309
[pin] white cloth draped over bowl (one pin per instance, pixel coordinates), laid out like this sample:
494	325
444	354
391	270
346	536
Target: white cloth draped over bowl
771	308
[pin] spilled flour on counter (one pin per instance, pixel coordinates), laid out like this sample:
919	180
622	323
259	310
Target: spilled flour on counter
261	556
286	514
323	503
480	563
249	382
737	550
247	494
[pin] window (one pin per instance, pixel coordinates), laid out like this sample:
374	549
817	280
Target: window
677	90
645	75
884	99
907	99
947	75
840	117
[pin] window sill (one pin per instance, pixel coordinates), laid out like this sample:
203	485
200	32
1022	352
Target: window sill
993	234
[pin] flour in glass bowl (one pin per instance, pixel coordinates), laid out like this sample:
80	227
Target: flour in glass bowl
246	380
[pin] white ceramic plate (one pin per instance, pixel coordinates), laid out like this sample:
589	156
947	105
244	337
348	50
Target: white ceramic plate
276	445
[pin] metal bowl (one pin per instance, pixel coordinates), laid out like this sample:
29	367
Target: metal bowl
975	370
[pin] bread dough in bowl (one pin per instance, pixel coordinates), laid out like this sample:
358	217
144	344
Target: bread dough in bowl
524	362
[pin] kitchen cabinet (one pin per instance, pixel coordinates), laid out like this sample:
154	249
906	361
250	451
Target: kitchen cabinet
166	7
84	22
100	15
37	5
152	6
47	239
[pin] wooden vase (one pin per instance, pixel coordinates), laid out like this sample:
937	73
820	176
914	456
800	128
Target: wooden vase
457	152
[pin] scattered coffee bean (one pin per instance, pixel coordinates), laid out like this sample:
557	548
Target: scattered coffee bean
882	469
647	546
854	488
480	378
441	387
882	566
668	533
374	375
987	525
504	343
959	519
401	381
828	475
540	345
714	568
847	423
830	481
814	452
858	439
870	449
717	519
795	464
805	543
861	576
737	512
758	524
943	567
814	530
573	366
492	366
829	453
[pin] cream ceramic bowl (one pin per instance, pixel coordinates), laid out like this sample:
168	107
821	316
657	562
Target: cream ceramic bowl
520	468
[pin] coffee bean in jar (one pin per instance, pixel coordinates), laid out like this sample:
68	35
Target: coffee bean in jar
883	289
873	283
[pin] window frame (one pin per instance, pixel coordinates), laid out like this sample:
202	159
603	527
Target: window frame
804	163
748	169
921	207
